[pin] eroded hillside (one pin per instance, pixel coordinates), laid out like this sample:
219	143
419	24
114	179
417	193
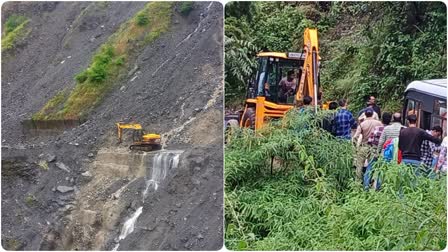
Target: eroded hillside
74	187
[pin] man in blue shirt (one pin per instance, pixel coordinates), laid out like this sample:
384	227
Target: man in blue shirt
344	121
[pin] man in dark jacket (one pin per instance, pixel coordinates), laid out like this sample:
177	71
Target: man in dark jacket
410	141
371	103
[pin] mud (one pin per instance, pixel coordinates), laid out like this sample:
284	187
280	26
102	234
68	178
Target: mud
174	88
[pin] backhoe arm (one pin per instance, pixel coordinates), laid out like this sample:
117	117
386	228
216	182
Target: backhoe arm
309	80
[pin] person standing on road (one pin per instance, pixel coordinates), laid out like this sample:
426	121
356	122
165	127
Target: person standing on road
391	131
410	141
344	121
364	151
428	148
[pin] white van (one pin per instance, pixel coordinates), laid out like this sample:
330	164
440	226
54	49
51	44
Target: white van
427	99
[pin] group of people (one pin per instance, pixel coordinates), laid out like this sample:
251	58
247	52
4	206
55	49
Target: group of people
377	134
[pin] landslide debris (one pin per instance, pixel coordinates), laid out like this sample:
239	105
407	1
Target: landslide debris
172	85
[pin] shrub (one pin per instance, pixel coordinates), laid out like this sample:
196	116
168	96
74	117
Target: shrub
30	200
186	7
98	70
119	61
142	19
312	202
13	22
15	31
81	77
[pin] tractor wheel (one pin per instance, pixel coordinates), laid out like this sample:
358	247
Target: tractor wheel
249	118
232	123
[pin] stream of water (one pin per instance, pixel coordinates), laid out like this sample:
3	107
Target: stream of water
163	161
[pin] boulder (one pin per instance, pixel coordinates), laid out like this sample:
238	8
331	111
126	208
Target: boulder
62	166
64	189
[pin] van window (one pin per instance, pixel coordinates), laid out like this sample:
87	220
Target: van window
411	108
439	115
425	120
439	107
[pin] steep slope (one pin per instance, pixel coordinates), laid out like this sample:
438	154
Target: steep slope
173	87
61	43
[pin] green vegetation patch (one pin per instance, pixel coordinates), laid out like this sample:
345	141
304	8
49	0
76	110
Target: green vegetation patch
15	30
53	105
160	24
30	200
186	7
12	244
142	19
108	63
311	200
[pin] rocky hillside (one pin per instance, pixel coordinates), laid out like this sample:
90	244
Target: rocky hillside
60	188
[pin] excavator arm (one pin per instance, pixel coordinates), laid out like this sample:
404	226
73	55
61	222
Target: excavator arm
309	81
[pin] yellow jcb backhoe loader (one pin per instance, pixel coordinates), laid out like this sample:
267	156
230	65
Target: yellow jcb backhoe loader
141	140
272	67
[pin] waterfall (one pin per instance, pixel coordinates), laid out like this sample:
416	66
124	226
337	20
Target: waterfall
162	162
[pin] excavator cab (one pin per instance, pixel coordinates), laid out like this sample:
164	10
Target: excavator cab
272	68
265	100
141	140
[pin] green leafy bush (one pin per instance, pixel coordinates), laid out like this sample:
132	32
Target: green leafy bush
186	7
101	64
311	200
13	22
142	19
15	31
81	77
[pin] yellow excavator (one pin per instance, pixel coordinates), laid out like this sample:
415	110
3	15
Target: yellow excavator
264	99
141	140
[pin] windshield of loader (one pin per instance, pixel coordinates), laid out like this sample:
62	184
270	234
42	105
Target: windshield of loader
278	78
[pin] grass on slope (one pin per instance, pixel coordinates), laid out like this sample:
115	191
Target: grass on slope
108	63
15	30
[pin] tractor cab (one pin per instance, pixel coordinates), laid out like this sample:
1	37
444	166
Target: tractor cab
271	94
272	68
